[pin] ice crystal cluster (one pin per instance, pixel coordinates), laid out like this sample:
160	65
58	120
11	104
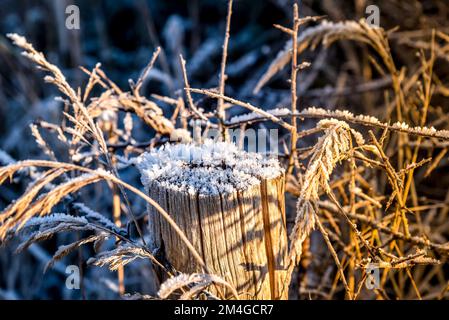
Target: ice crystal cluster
210	168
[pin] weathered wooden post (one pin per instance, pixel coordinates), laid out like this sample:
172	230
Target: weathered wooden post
230	204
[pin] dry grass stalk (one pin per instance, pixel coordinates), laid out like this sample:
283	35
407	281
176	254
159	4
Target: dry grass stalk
294	72
330	149
327	33
196	283
26	210
221	87
347	116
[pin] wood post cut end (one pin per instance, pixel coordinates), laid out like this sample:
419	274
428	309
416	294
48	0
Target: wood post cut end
230	205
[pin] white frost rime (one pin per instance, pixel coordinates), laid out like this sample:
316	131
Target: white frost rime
278	112
208	169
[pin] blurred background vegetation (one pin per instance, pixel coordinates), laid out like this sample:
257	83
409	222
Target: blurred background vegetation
122	36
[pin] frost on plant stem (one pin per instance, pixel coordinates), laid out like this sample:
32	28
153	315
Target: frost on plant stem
370	120
345	114
94	216
211	168
278	112
348	116
54	219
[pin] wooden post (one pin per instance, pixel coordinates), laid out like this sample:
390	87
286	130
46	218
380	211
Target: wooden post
241	234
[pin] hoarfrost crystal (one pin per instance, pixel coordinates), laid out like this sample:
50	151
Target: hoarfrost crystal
211	168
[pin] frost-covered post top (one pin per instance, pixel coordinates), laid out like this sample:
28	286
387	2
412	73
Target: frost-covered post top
211	168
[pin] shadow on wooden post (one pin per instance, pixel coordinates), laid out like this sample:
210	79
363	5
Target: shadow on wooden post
241	235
